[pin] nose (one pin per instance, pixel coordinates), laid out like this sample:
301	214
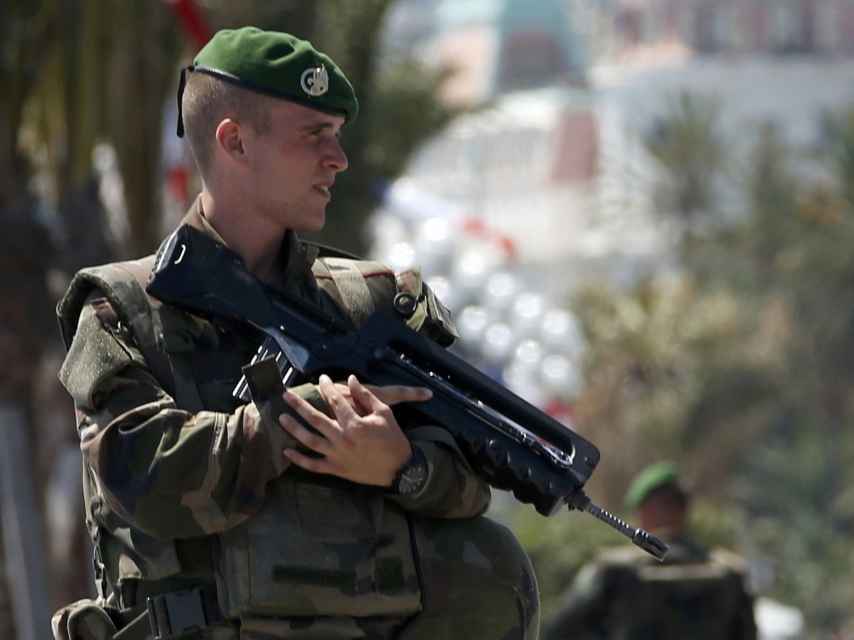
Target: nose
335	157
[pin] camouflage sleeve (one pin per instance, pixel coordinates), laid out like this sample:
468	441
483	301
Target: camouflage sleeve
171	473
453	489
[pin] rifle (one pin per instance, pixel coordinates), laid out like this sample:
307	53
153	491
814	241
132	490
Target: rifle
511	443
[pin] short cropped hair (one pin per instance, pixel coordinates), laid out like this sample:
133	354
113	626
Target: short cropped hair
208	100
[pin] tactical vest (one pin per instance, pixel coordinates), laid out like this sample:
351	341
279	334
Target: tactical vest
695	599
319	544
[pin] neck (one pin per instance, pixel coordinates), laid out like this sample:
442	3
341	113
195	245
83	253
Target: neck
253	237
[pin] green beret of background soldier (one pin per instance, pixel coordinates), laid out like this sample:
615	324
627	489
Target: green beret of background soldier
626	594
216	518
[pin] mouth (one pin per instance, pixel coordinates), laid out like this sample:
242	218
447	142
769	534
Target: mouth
325	189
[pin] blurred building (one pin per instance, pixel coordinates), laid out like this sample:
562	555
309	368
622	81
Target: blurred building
552	162
823	27
553	157
494	46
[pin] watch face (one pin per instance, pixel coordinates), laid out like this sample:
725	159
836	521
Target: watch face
412	479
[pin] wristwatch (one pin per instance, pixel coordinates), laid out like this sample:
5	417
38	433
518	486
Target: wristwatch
412	476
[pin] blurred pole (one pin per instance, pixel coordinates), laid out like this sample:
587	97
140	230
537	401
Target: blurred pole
192	19
23	536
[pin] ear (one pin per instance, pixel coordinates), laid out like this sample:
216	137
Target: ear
230	141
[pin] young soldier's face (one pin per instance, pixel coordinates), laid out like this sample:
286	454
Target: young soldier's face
293	167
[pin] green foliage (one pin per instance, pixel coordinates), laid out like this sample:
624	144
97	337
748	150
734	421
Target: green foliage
666	372
26	30
791	260
740	367
558	547
838	135
687	146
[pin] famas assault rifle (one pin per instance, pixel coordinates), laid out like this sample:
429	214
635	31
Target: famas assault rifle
511	443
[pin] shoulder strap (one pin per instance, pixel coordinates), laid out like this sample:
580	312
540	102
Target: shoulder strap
359	287
119	282
123	286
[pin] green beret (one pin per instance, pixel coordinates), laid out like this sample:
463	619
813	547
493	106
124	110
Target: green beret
654	477
277	64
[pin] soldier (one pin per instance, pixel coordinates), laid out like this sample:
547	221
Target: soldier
214	518
627	594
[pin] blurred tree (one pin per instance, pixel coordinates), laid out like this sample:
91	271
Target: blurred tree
838	142
686	145
667	372
804	261
105	79
73	99
26	31
739	367
788	263
143	71
26	247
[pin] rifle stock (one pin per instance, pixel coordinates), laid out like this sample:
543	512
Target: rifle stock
511	443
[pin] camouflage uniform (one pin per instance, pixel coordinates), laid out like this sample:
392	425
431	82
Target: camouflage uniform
183	492
628	595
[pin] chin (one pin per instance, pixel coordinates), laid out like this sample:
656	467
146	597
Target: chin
313	224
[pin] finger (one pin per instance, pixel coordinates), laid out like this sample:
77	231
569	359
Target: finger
317	465
343	389
311	440
317	419
395	394
345	392
364	396
340	407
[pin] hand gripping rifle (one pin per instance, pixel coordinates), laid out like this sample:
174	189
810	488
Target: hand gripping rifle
511	443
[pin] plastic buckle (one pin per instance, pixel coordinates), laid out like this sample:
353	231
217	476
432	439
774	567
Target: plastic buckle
171	614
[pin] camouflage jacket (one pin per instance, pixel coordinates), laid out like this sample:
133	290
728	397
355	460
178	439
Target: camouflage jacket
628	595
181	487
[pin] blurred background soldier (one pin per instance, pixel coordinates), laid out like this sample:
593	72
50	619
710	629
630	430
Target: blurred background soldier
695	593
